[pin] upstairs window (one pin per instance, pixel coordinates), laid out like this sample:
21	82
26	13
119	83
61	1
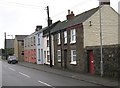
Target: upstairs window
22	43
73	36
38	39
65	37
58	38
47	43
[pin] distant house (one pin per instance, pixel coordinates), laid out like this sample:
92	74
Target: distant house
30	48
77	40
19	47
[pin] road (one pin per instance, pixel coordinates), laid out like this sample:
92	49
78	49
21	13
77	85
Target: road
16	75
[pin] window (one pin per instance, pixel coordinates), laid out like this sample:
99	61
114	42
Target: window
59	55
73	56
58	37
73	36
38	39
34	40
39	54
31	41
22	43
65	37
22	53
47	43
48	56
44	54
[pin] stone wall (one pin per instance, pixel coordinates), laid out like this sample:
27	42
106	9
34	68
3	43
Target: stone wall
111	59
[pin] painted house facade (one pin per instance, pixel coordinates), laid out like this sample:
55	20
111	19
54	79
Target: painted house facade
77	39
30	48
45	44
39	41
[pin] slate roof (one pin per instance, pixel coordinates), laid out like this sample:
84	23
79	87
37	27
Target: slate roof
46	29
20	37
76	20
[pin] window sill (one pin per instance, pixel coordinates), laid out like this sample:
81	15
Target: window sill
59	44
72	42
59	61
73	63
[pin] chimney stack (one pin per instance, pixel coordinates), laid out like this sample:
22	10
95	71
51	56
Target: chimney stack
70	15
104	2
38	28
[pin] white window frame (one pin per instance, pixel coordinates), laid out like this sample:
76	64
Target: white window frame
72	60
38	39
73	36
59	60
58	38
65	37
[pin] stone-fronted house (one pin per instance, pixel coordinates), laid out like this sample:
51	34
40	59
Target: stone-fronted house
77	40
19	47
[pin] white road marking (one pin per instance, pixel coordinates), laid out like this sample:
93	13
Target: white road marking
12	69
45	84
24	74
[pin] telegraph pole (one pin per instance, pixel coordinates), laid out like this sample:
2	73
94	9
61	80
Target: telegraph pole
49	37
5	46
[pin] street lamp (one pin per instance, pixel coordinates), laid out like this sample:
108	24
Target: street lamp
11	36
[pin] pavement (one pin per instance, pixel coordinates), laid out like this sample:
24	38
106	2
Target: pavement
79	76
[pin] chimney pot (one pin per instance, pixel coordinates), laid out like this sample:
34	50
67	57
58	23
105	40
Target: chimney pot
68	12
70	15
38	28
71	12
104	2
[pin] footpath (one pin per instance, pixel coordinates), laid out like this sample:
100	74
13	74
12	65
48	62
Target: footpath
79	76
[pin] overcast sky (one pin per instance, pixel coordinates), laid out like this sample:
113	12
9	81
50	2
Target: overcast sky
20	17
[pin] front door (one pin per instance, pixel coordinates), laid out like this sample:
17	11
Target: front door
91	63
42	56
65	58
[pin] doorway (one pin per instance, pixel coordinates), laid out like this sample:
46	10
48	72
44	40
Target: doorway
90	62
65	58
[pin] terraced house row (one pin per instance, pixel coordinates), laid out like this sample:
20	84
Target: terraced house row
75	42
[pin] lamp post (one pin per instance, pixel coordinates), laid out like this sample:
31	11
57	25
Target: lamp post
101	51
5	46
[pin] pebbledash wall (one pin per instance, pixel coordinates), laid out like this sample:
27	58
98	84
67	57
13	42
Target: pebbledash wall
111	60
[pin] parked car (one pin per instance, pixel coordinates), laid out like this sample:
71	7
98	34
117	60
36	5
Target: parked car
12	60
